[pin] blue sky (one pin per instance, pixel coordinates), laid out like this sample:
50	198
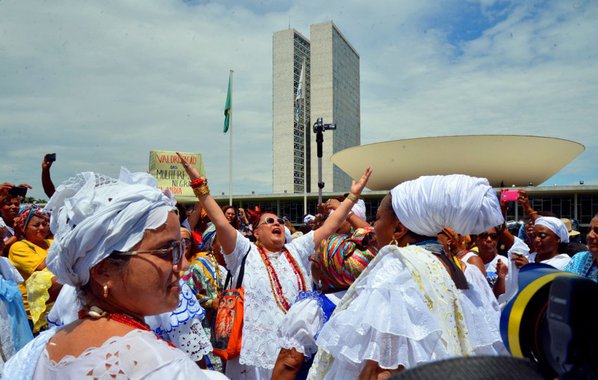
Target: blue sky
102	83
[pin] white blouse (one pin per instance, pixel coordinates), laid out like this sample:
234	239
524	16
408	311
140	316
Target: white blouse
262	315
137	355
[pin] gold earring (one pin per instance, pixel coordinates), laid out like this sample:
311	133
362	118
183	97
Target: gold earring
394	242
105	290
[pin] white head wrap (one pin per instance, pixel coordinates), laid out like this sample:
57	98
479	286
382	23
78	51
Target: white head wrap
555	225
359	209
94	215
466	204
308	218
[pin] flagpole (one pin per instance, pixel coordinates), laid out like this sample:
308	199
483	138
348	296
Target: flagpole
305	137
230	143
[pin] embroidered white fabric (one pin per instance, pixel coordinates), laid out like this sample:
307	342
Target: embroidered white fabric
7	345
300	326
390	315
190	337
262	316
138	354
482	314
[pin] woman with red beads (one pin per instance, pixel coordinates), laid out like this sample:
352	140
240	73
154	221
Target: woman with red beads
274	273
118	242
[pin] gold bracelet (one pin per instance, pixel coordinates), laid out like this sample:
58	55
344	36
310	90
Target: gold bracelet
352	197
201	191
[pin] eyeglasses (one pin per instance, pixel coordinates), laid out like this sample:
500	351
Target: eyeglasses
485	235
271	220
186	242
173	253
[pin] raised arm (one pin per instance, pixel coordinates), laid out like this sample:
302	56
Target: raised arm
227	234
523	200
47	183
340	214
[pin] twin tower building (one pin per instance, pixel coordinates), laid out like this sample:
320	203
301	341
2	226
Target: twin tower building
327	89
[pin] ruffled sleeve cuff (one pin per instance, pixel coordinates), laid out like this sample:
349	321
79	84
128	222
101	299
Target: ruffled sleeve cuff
301	324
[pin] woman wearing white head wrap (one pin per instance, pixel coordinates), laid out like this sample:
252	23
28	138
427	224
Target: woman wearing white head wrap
549	237
118	243
405	309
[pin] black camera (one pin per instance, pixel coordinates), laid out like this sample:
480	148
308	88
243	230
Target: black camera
50	157
553	321
17	191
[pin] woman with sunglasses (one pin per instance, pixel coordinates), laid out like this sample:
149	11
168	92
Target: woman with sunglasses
118	243
275	273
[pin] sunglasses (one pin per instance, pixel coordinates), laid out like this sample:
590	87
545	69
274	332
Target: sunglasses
173	253
271	220
485	235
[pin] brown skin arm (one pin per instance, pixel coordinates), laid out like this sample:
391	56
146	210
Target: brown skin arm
477	261
333	221
505	236
54	290
499	285
523	200
287	364
194	216
227	234
354	220
372	371
47	183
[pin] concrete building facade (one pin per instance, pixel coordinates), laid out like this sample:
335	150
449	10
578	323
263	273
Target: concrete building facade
331	91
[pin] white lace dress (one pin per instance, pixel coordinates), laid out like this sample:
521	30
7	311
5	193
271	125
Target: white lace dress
137	355
404	310
183	326
262	316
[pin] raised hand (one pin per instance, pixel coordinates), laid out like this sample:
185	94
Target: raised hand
357	187
191	171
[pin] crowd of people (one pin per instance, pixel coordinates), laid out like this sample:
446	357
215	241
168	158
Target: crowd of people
112	278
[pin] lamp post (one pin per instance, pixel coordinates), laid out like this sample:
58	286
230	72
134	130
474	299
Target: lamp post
319	128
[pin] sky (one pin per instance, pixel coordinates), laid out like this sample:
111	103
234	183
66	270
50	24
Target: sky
101	83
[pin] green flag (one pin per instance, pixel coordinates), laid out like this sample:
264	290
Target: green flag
227	107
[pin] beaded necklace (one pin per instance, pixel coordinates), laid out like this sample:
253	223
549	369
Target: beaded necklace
275	284
96	313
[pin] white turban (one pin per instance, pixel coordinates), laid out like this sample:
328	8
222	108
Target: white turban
466	204
94	215
555	225
359	209
308	218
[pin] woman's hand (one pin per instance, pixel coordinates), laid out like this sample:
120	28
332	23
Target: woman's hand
519	260
332	204
191	171
357	187
501	269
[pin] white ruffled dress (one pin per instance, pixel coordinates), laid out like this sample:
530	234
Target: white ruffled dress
404	310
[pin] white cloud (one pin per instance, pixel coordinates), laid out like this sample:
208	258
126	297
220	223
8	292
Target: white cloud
102	83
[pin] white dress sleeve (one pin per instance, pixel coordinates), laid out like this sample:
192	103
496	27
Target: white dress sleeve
511	283
482	314
301	325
